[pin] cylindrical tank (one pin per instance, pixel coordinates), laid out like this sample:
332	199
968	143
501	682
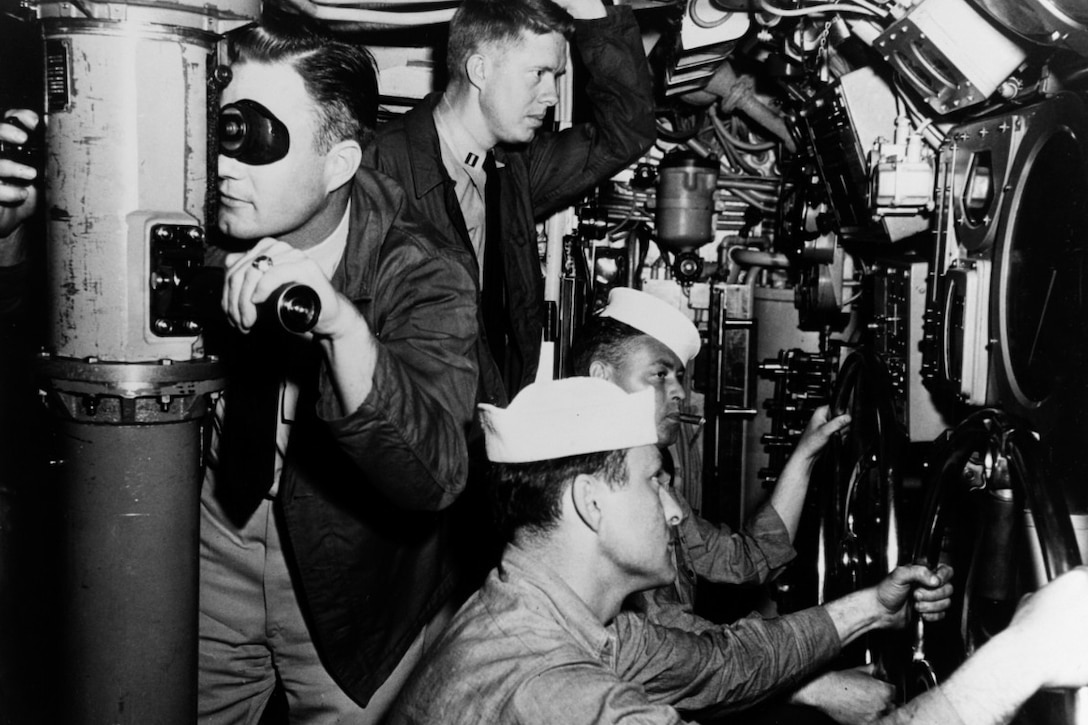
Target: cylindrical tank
129	181
684	206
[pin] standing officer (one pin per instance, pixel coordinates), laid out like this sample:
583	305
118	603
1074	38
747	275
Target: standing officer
475	162
503	59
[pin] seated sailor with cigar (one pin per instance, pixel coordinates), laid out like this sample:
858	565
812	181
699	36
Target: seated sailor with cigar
640	342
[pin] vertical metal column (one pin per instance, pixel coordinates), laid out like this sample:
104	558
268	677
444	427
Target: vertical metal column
128	384
128	507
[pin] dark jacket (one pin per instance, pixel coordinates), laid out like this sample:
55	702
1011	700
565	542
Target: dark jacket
537	179
363	495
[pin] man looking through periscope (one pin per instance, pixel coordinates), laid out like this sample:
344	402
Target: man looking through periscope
322	549
331	454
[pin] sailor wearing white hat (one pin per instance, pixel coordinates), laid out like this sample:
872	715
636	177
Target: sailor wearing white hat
639	341
557	443
656	318
568	418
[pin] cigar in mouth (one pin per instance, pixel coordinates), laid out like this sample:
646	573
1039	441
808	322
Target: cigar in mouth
692	418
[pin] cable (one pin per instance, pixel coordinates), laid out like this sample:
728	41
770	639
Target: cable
732	150
853	298
747	257
616	230
627	211
372	17
740	130
923	123
379	17
818	10
703	22
750	185
878	11
750	146
737	158
682	128
382	6
753	200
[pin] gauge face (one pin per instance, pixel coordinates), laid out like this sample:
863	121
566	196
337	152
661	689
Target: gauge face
1043	277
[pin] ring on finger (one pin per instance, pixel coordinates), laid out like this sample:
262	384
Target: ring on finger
262	263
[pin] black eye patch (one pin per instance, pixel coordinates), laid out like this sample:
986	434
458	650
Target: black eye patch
250	133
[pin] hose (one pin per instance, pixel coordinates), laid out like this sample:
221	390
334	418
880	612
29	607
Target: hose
370	17
736	93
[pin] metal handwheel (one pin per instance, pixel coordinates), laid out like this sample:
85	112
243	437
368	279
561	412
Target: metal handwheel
859	526
859	539
983	475
849	535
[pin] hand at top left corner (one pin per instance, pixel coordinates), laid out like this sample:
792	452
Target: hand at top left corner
18	195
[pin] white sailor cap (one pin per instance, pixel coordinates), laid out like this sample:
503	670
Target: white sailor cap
656	318
568	417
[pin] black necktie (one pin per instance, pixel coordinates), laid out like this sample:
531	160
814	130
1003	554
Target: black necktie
493	291
247	448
